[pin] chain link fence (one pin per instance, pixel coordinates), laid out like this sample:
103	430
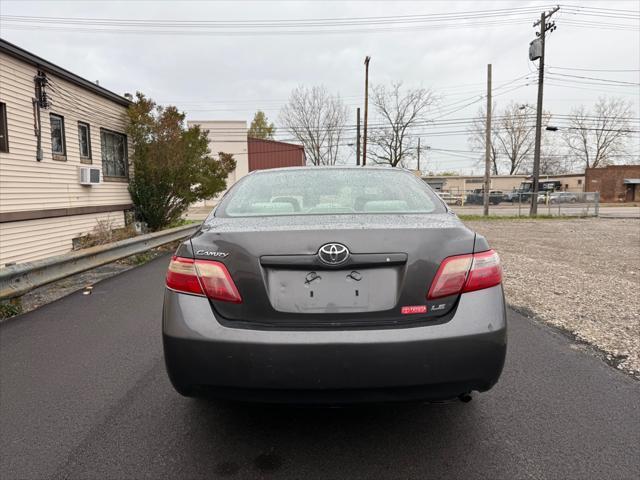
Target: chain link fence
517	203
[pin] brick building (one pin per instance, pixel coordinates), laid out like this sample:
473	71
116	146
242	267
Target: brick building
265	154
616	183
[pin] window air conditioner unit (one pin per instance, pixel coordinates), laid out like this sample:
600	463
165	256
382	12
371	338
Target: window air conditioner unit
89	176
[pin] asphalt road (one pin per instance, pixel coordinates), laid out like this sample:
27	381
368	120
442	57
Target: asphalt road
83	394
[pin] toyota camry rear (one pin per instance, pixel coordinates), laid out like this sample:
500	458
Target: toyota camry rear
333	285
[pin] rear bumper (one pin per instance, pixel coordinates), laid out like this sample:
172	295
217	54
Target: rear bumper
431	362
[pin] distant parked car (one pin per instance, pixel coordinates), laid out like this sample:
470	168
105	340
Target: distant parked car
563	197
518	196
476	197
449	198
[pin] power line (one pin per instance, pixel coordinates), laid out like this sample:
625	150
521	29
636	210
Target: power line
594	69
603	80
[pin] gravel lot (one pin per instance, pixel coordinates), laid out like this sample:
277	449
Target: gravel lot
581	275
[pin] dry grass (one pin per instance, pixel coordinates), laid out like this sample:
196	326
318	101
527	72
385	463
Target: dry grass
103	233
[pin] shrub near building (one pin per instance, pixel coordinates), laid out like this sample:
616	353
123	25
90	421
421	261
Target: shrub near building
171	163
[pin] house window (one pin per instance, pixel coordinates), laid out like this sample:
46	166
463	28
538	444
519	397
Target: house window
84	139
114	155
58	147
4	134
579	181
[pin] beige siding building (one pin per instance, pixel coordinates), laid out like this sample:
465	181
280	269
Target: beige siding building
53	123
458	184
228	136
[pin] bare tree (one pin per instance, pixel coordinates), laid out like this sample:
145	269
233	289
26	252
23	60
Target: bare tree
317	120
516	135
553	158
478	137
400	109
597	137
512	137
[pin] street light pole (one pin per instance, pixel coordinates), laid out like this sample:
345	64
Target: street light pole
366	108
487	151
358	136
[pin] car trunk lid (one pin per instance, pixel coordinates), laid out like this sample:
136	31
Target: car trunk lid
274	263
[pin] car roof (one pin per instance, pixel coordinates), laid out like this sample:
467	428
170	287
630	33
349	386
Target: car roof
332	167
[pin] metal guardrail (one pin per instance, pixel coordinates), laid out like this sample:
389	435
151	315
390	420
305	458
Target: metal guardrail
17	280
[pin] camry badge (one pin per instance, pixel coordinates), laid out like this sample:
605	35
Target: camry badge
212	254
333	253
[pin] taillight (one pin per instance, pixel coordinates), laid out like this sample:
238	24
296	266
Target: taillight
202	277
182	276
486	271
466	273
216	281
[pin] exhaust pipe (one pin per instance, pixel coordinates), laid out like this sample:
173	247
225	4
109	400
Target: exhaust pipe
465	397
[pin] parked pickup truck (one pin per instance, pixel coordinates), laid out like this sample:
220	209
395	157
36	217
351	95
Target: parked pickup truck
476	197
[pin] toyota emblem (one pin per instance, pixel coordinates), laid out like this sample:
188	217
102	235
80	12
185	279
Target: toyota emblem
333	253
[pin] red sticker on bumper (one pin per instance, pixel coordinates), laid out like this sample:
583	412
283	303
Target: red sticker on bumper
413	309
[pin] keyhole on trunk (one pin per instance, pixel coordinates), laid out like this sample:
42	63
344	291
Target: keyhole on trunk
357	293
311	293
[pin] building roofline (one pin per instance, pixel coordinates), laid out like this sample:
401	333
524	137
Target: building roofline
301	147
474	176
544	176
28	57
614	166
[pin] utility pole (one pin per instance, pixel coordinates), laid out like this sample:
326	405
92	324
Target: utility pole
366	108
358	139
487	149
536	154
418	154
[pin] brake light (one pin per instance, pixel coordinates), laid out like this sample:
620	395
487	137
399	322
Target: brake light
486	271
466	273
182	276
202	277
216	281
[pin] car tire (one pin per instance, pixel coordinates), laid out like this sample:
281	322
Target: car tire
573	200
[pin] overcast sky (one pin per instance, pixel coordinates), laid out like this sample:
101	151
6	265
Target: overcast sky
214	76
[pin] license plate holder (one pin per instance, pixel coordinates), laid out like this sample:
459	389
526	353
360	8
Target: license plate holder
332	291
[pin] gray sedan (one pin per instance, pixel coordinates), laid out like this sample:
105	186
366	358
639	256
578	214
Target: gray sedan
334	285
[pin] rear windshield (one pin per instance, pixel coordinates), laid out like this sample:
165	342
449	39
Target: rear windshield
329	191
